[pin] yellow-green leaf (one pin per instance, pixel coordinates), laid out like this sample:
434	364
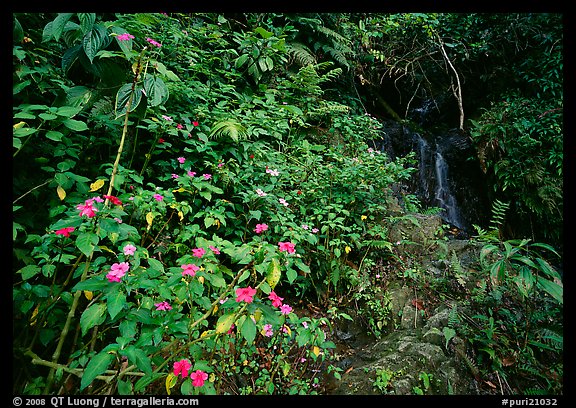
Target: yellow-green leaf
96	185
171	381
61	193
149	218
225	322
274	273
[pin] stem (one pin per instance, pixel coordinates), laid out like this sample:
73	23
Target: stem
29	191
66	328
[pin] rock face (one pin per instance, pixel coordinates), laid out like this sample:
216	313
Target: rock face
419	353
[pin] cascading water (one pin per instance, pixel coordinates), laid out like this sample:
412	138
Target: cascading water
444	198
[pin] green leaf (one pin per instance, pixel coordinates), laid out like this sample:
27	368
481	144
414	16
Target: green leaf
92	316
156	265
552	288
74	124
115	300
58	25
94	40
274	273
97	365
155	90
146	380
126	98
86	242
86	21
24	131
95	283
138	356
70	57
29	271
248	330
54	135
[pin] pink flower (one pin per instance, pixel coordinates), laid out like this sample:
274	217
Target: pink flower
276	300
220	164
181	160
261	193
287	247
182	367
129	249
124	37
260	228
283	202
118	220
198	252
190	269
195	123
198	377
64	231
87	209
314	230
268	330
179	126
285	309
113	200
161	140
274	172
245	294
163	306
207	176
117	271
155	43
191	173
175	176
158	197
214	249
168	118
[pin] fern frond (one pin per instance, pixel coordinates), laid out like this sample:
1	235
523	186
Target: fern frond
229	127
499	209
301	54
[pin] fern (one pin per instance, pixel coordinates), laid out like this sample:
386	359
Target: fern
499	209
301	54
229	127
454	318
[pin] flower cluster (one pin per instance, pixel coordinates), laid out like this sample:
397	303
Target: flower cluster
117	271
183	367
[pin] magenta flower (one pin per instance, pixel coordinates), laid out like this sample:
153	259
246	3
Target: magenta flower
191	173
117	271
195	123
198	377
129	249
260	228
64	231
166	117
285	309
113	200
179	126
287	247
163	306
175	176
276	300
182	367
158	197
214	249
155	43
198	252
190	269
245	294
124	37
181	160
87	209
207	176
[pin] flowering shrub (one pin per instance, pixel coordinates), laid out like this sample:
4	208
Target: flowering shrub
179	276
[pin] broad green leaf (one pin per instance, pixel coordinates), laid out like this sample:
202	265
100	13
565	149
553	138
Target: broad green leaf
127	99
70	57
75	125
92	316
86	242
54	135
156	265
58	25
155	90
29	271
24	131
552	288
115	300
146	380
94	40
138	356
449	333
86	21
97	366
248	330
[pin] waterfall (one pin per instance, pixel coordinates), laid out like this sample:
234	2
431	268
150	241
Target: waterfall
444	198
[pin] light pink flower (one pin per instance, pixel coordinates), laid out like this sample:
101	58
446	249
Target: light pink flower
191	173
155	43
283	202
117	271
207	176
124	37
268	330
87	209
214	249
181	160
285	309
129	249
261	193
158	197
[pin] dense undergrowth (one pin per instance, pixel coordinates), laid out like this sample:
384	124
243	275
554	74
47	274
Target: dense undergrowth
179	181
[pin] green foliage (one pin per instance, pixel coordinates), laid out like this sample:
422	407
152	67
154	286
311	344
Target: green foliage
150	151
